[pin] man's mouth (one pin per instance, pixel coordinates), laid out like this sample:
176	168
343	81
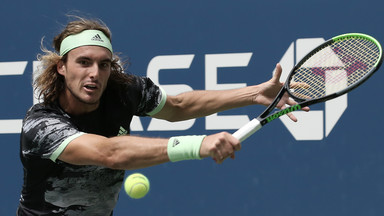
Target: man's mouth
90	87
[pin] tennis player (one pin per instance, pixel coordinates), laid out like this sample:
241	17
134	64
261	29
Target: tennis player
75	145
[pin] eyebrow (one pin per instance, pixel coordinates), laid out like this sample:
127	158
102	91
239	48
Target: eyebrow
90	59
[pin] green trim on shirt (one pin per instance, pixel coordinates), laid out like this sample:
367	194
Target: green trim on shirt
62	146
161	104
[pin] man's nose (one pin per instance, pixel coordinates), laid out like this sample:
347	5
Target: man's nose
94	71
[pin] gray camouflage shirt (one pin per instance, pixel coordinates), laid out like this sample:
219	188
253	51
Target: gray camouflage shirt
53	187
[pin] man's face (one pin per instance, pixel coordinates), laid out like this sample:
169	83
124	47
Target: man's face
86	74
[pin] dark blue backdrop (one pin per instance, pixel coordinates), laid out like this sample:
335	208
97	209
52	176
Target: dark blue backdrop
341	174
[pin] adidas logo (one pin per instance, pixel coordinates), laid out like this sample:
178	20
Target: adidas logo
175	142
122	131
97	38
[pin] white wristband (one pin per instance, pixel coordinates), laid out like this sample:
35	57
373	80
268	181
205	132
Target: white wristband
184	147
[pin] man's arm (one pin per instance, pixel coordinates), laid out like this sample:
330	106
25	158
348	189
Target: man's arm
196	104
121	152
132	152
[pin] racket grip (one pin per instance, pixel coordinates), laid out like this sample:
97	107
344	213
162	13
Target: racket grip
247	130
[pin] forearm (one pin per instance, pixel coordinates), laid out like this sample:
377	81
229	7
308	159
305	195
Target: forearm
196	104
122	152
132	152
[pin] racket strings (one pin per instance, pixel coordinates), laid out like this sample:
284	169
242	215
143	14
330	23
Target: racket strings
335	67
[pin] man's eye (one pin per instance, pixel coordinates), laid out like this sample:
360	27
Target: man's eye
83	62
105	65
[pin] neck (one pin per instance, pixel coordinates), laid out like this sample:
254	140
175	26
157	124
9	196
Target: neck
74	106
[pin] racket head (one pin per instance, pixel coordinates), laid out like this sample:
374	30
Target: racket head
334	68
345	62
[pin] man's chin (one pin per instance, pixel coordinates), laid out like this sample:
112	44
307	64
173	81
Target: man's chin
89	101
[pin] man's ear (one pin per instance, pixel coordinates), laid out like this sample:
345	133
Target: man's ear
60	67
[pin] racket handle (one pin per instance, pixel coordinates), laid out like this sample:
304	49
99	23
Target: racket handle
247	130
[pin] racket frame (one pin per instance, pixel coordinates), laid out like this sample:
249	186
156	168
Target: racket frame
267	116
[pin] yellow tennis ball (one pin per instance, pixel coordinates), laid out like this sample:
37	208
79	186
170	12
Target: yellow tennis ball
136	185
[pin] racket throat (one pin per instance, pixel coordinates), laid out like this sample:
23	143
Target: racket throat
285	111
272	106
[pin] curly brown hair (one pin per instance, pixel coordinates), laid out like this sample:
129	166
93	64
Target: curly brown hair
49	83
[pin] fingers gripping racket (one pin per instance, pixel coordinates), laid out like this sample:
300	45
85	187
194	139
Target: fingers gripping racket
332	69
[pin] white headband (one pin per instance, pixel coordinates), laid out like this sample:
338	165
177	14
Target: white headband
85	38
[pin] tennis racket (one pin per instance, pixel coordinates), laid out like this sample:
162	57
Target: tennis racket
334	68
